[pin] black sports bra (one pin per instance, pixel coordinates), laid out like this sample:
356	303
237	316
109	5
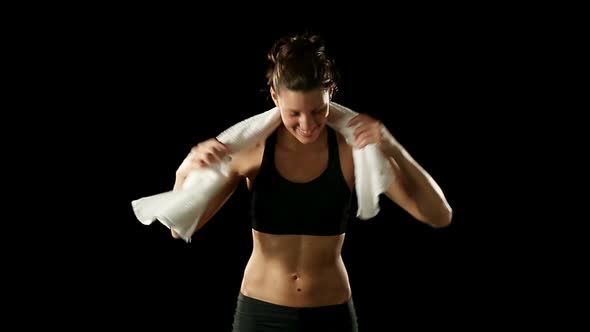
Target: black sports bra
318	207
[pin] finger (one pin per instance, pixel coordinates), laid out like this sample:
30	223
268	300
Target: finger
361	143
211	157
222	147
365	139
354	121
196	163
220	152
360	138
374	127
195	159
361	131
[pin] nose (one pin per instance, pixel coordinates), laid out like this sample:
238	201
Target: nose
307	122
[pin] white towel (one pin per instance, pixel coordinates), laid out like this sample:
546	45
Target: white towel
182	209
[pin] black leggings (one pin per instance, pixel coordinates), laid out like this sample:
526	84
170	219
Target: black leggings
260	316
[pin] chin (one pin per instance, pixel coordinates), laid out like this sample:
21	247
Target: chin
306	139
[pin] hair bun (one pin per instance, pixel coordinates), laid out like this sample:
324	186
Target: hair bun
293	46
300	63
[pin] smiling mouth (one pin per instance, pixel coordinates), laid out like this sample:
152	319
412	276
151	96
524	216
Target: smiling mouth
304	133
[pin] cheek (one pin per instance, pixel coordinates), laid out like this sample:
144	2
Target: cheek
290	121
321	119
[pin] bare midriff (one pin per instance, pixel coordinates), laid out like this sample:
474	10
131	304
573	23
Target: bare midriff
296	270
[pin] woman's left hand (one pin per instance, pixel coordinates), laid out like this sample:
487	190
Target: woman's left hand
370	131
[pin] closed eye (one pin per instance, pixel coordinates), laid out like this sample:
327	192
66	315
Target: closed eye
314	112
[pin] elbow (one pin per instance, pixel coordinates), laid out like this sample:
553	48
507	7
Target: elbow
442	220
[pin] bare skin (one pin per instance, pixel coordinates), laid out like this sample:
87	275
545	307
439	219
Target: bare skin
304	270
290	270
298	270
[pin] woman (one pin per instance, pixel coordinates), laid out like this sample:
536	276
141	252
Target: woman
302	178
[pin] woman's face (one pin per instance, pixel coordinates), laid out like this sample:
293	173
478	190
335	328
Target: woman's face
304	113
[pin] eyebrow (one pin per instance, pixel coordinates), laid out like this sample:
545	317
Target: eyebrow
317	109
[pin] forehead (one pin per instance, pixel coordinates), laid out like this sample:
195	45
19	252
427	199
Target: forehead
303	100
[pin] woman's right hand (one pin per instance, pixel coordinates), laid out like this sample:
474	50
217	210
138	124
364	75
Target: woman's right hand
201	156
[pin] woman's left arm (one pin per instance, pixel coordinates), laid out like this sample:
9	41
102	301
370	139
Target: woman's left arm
414	190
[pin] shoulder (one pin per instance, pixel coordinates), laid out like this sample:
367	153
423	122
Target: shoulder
248	160
346	160
343	147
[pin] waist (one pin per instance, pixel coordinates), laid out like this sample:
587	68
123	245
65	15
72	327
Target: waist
296	284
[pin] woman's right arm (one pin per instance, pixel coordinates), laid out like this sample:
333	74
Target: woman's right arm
201	156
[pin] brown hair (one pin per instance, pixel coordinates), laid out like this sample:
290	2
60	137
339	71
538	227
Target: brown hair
300	63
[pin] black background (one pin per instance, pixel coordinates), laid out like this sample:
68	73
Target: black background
146	87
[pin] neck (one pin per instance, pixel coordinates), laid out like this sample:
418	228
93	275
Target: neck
287	141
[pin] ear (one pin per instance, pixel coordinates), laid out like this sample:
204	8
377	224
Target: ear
274	96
